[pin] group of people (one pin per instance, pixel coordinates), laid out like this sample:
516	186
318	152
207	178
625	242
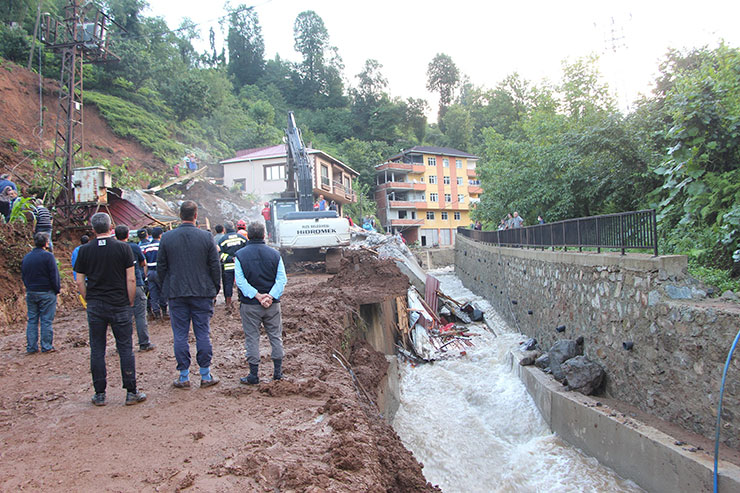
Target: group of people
322	205
513	221
189	165
184	269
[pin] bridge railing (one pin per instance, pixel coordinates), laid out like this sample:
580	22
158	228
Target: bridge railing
634	230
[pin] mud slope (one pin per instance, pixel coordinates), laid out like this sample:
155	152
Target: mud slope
309	432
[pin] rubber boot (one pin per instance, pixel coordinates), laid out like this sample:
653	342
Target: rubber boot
277	373
253	377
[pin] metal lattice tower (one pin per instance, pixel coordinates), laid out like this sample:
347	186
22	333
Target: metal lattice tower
82	36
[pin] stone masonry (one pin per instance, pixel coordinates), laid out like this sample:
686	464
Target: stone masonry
680	338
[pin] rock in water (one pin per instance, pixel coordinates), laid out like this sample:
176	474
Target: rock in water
529	344
543	362
529	357
560	352
583	375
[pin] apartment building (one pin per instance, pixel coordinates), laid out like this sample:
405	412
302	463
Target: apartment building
262	172
426	192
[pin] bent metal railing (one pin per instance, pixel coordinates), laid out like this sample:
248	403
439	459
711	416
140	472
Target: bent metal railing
636	230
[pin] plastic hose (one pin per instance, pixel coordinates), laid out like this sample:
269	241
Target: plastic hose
719	412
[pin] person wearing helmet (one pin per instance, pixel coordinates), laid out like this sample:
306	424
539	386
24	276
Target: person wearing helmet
241	228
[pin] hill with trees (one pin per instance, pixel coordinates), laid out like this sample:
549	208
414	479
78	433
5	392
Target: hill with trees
558	149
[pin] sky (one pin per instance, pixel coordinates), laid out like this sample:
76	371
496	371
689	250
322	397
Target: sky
488	40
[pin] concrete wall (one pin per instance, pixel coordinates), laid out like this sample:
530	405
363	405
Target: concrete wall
434	258
635	451
680	338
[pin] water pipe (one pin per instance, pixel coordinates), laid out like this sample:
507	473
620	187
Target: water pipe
719	412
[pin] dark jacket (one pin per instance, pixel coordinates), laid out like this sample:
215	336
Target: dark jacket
259	263
187	263
39	271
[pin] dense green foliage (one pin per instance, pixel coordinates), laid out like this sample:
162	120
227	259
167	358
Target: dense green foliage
559	150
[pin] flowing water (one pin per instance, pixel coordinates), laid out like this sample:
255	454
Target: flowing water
475	428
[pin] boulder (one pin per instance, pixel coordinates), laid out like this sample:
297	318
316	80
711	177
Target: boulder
729	296
529	357
528	345
543	362
560	352
583	375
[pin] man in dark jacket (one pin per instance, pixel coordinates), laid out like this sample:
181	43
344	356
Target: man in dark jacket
228	246
260	277
188	266
142	329
157	296
41	278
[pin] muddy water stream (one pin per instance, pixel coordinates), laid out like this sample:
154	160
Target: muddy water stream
473	425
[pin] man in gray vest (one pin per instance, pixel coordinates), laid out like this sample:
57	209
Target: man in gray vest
260	277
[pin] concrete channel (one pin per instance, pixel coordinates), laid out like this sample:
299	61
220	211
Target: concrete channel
485	423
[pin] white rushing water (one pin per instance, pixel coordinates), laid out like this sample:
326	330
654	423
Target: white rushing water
475	428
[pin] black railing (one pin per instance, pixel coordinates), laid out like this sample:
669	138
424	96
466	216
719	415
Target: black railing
636	230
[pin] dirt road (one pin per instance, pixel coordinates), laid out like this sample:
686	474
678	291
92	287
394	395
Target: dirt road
309	432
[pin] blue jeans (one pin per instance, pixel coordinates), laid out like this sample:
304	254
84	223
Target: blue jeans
157	296
197	310
99	315
42	306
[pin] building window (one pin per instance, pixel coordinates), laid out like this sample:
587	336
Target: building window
430	215
241	183
459	180
446	180
276	172
433	197
413	214
458	163
432	161
401	214
347	183
423	197
432	179
457	216
473	182
421	179
448	197
444	216
460	198
446	163
324	175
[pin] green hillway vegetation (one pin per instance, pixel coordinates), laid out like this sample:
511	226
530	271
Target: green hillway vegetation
559	150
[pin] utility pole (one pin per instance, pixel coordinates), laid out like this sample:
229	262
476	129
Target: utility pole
81	36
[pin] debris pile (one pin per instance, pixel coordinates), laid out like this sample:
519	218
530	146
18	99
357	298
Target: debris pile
437	326
391	247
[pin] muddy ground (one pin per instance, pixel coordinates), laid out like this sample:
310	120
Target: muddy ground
309	432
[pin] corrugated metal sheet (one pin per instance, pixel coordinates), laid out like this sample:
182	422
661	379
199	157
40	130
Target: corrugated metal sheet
124	212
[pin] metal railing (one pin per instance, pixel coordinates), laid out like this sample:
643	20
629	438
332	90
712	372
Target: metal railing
636	230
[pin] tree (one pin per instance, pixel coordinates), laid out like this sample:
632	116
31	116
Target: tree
246	46
443	77
320	70
459	127
583	91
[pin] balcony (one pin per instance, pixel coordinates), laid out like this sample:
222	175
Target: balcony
334	190
401	185
406	204
471	173
475	189
409	168
407	222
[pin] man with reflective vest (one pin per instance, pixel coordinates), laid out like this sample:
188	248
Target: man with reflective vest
228	246
157	296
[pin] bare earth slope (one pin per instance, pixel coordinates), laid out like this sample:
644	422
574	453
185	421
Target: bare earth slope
309	432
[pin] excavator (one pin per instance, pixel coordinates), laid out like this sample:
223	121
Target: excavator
297	230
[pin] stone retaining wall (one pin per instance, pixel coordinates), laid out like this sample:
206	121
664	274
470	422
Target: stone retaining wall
680	338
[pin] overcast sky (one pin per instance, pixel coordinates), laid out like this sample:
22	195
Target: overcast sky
489	40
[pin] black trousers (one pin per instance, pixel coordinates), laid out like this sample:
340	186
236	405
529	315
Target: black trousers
99	316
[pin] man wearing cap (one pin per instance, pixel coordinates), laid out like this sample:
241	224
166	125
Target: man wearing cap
231	243
188	266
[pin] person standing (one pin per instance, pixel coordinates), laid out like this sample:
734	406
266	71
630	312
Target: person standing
540	220
108	265
228	246
42	221
142	330
83	241
41	278
241	228
267	215
322	203
219	228
260	277
516	221
157	294
8	193
188	266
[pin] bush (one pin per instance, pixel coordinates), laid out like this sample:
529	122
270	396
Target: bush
718	278
14	43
